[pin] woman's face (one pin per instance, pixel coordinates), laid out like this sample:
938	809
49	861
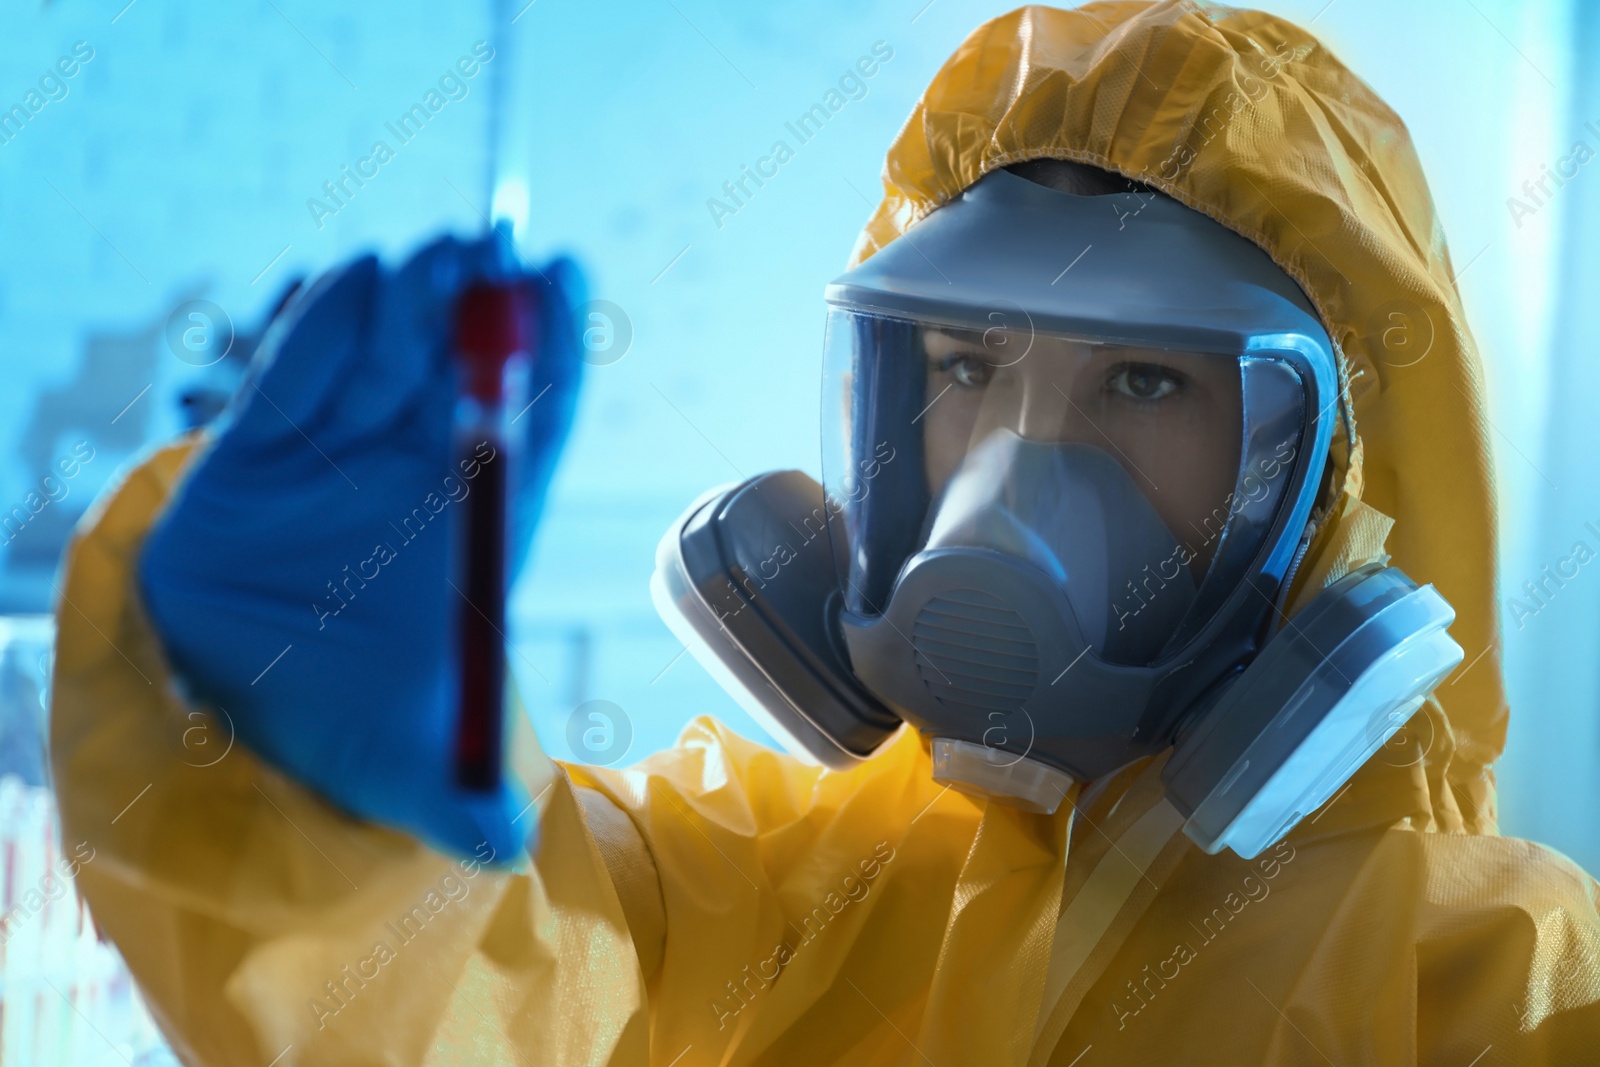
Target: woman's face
1171	419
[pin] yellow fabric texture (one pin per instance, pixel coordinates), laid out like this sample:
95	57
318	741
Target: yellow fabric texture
633	874
868	916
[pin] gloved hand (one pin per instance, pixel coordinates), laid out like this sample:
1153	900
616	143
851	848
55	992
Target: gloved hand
299	578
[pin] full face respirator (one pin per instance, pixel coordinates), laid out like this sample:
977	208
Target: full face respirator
1071	447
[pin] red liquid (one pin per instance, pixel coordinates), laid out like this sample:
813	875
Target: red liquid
482	630
490	323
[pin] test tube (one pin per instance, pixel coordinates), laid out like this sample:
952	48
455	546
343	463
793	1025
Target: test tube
492	352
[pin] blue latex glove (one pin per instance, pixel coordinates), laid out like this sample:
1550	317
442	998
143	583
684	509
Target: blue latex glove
321	521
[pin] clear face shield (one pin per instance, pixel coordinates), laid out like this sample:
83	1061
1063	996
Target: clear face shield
1036	530
1071	446
1141	482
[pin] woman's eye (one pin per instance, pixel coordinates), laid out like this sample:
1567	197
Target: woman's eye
1144	381
968	371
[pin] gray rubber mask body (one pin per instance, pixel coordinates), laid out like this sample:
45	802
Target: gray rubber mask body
1070	510
1082	535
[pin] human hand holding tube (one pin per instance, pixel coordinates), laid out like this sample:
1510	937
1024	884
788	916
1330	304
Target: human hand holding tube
301	578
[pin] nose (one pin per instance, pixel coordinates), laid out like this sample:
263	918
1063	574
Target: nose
1047	412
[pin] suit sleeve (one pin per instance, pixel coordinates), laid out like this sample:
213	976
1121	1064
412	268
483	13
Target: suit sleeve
264	926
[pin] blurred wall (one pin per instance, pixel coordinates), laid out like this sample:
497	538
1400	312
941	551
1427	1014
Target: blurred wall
180	162
1550	777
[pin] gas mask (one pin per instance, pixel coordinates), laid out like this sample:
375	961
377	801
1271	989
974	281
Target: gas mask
1071	448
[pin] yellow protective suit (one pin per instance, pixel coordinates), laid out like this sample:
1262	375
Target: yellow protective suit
722	904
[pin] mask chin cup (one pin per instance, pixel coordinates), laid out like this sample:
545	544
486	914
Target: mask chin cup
744	579
995	774
971	647
1325	694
